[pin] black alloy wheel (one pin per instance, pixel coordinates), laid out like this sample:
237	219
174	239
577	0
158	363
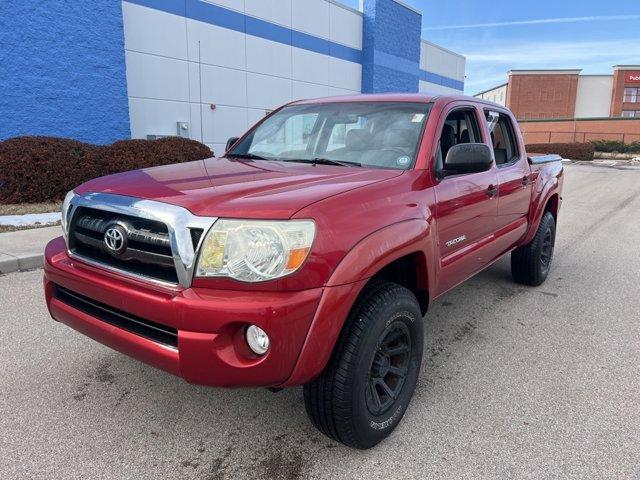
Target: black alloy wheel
389	368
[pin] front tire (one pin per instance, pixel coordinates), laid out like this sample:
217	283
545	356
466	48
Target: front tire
366	387
530	263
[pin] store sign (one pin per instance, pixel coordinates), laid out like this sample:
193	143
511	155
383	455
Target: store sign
632	77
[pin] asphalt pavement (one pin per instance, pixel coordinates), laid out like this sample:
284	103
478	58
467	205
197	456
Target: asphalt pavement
517	382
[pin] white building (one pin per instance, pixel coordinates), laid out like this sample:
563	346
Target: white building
106	70
216	67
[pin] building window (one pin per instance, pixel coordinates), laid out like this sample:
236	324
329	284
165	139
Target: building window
631	95
631	113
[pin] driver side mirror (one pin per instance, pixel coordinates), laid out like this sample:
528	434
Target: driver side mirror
468	158
231	142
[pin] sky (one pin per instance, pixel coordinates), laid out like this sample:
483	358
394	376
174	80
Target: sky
501	35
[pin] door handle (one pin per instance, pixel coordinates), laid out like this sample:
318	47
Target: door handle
525	181
492	191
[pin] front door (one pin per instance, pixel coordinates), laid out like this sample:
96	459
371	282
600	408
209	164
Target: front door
466	205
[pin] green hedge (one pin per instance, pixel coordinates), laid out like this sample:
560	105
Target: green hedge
41	169
572	151
612	146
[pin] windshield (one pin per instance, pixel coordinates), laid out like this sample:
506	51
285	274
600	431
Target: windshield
371	134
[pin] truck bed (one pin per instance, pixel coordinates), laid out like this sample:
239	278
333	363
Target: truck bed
540	159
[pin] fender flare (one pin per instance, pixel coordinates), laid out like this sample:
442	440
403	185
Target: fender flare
381	248
549	188
362	262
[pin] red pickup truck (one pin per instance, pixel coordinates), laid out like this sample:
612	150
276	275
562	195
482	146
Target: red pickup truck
309	253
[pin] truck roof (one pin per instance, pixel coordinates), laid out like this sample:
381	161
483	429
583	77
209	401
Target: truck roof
376	97
394	97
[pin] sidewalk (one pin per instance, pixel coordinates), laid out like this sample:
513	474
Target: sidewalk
23	250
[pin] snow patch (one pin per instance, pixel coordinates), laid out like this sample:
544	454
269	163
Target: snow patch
30	219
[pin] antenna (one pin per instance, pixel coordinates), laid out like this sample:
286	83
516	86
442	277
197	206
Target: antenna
200	84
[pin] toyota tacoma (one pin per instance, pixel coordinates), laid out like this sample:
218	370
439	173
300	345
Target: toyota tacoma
309	253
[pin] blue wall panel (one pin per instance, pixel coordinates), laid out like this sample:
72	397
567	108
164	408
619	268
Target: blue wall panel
441	80
391	47
62	70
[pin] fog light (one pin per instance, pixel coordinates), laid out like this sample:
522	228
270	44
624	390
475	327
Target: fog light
257	339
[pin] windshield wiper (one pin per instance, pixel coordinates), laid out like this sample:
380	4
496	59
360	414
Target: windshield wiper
325	161
248	156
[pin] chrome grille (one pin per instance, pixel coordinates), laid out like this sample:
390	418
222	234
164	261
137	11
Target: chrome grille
161	240
147	249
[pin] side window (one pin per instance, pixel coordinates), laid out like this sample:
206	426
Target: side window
460	126
505	146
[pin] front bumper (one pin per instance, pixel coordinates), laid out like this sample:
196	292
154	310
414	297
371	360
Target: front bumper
210	324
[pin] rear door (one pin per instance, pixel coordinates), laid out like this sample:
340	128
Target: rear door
466	205
514	178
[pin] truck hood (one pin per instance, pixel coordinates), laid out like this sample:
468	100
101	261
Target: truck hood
220	187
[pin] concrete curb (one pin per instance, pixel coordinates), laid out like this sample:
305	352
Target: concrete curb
21	263
24	249
616	156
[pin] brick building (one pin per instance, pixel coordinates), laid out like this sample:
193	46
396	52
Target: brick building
563	105
553	94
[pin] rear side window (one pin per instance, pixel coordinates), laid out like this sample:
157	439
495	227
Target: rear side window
503	138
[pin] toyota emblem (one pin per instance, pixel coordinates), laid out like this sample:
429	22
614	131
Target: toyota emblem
115	238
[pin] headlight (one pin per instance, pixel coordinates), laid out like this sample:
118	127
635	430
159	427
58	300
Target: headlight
65	212
255	250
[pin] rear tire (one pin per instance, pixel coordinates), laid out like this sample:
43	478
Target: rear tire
366	387
530	263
